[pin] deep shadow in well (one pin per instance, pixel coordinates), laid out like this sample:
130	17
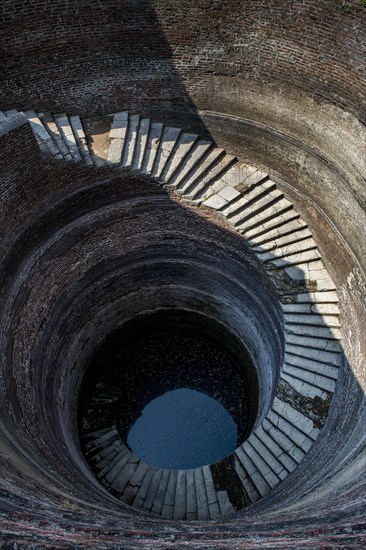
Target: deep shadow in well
89	252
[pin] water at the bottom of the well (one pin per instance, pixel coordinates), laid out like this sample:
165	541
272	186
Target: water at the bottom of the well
183	429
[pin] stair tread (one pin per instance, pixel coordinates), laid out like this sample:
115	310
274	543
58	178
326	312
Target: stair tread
130	141
200	186
167	142
311	378
266	203
199	151
274	449
284	441
141	143
180	506
252	472
202	503
304	388
185	144
64	126
159	498
152	146
200	171
81	141
248	485
191	496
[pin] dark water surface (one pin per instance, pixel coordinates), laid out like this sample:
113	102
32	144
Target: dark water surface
182	429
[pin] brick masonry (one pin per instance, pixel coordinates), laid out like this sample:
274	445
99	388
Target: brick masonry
93	57
98	56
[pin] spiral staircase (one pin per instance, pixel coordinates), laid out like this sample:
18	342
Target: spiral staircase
248	202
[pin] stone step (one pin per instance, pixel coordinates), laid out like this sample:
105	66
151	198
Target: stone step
326	297
309	268
114	465
283	441
313	342
203	511
65	129
296	260
314	319
263	467
53	130
197	192
267	202
152	145
81	140
255	193
180	503
317	367
314	331
273	463
169	500
141	144
226	508
140	497
243	176
90	435
184	146
267	206
159	499
250	489
231	178
98	439
260	483
276	216
299	420
283	240
96	400
117	467
300	439
103	458
287	251
167	143
220	194
98	453
303	388
45	141
119	483
134	483
3	117
198	153
212	497
152	490
191	496
130	141
275	450
117	137
311	308
198	174
284	230
323	357
322	382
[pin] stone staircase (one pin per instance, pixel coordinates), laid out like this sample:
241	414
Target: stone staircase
252	204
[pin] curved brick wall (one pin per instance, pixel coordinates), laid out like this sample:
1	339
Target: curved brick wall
94	56
281	85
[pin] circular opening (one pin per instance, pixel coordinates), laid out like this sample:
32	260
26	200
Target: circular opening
180	389
182	429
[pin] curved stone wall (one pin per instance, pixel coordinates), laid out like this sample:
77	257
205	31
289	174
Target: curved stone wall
277	87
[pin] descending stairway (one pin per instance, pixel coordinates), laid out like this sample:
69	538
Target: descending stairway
253	205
